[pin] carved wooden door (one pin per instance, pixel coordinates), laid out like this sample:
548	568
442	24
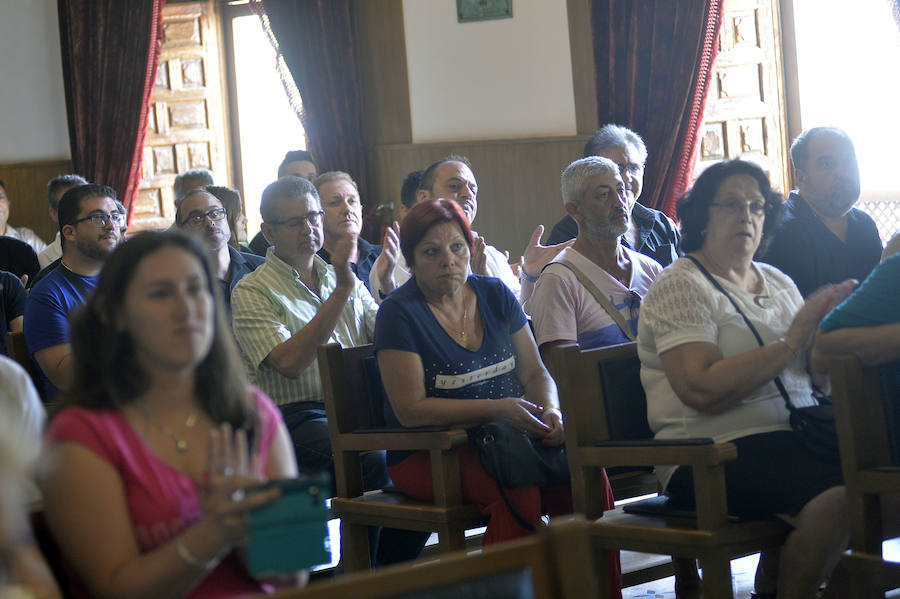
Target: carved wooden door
186	124
744	115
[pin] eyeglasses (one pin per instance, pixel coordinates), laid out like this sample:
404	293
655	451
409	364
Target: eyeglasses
756	208
313	219
196	219
102	220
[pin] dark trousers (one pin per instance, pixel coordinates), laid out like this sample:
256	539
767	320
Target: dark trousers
308	427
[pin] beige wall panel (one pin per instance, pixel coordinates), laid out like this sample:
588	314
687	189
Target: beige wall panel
26	184
518	181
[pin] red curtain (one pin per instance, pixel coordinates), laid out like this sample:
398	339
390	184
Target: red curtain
316	41
654	64
110	52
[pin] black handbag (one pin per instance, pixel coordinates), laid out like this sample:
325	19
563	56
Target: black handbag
514	459
814	425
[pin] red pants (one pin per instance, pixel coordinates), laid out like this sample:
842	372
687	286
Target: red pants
413	477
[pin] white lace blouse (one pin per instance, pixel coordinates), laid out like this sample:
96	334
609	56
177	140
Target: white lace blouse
682	307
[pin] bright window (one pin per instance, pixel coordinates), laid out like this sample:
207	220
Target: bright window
848	57
268	125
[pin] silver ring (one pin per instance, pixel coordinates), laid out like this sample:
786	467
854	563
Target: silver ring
238	496
228	471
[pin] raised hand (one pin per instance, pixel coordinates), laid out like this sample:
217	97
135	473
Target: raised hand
387	260
537	256
223	493
340	259
478	259
815	308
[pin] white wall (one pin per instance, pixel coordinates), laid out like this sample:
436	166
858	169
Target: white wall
32	101
498	79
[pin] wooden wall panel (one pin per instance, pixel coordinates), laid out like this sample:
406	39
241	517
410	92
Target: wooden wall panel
383	73
518	181
26	186
584	71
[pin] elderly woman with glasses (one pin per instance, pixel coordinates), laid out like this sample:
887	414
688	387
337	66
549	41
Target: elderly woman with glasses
706	375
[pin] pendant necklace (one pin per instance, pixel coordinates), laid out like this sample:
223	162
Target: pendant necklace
181	444
462	331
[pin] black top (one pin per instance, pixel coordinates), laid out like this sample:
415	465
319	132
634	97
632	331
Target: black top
808	252
259	244
241	264
366	254
18	257
12	303
659	237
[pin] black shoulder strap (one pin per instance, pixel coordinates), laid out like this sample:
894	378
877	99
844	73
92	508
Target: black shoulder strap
715	283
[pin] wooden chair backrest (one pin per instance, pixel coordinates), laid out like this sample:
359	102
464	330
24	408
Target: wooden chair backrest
558	563
17	349
354	399
601	393
860	415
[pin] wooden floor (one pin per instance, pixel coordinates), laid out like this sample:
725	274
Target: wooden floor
742	572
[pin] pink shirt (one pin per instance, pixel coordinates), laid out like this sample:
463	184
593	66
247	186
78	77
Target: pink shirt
162	500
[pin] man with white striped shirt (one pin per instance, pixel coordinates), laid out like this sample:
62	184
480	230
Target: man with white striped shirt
290	305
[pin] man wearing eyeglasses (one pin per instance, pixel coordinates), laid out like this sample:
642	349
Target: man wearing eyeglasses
289	306
201	213
89	227
293	303
591	292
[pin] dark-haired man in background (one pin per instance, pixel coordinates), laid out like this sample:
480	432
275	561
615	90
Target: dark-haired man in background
299	163
89	225
823	238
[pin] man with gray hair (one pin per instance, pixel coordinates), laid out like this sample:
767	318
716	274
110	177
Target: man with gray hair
344	216
823	238
188	180
56	187
591	292
650	232
285	309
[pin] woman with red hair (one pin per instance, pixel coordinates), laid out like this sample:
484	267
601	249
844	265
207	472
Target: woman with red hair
454	350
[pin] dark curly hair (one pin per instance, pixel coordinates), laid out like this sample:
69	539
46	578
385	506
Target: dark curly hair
693	206
107	375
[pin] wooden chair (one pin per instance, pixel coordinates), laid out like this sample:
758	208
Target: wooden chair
865	412
555	564
17	349
868	575
607	428
354	401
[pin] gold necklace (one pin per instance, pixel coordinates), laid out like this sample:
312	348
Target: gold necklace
181	444
465	317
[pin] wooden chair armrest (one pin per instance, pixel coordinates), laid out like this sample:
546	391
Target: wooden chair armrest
404	441
695	453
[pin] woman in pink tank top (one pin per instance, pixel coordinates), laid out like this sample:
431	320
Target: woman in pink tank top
148	460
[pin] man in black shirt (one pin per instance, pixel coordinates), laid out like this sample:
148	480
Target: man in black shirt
823	238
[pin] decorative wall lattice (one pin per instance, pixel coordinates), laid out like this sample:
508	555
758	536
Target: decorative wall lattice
886	215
